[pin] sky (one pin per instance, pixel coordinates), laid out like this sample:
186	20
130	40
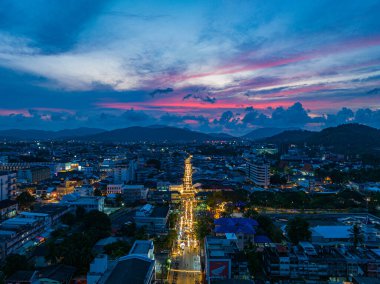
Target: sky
213	66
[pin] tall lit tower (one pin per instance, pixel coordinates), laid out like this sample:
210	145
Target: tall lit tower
188	177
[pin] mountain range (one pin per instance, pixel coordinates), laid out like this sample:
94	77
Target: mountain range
32	134
346	138
265	132
156	133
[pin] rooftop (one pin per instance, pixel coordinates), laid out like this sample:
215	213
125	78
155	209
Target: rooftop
7	203
235	225
141	247
160	212
133	268
21	276
61	273
332	232
220	247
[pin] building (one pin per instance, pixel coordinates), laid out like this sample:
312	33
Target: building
121	175
19	232
331	235
27	229
137	267
143	248
87	170
8	209
163	186
224	260
7	185
319	263
243	228
258	172
159	197
270	149
135	193
34	174
46	191
124	173
89	203
84	190
66	187
153	218
22	277
115	188
55	274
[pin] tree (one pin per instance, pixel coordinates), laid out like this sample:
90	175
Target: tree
203	227
97	192
277	179
68	219
250	213
266	224
154	163
298	230
98	223
254	261
117	249
15	262
25	199
79	212
128	230
172	220
75	250
119	199
357	235
141	234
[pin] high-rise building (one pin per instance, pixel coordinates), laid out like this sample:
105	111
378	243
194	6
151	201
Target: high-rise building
34	174
258	172
7	185
121	175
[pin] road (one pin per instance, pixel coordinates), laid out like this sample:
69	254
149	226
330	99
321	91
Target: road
186	266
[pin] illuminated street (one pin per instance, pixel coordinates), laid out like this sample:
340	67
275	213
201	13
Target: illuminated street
186	261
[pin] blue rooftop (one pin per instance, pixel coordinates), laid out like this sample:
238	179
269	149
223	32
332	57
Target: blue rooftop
235	225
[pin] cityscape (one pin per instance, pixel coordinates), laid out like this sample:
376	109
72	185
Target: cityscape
189	142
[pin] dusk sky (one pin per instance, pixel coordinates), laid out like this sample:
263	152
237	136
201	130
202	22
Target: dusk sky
213	66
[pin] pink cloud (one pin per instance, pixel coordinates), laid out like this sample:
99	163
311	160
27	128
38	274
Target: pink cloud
7	112
238	65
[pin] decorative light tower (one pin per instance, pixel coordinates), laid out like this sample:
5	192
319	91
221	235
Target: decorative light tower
188	177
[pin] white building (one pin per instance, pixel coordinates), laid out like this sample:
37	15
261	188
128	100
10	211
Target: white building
89	203
136	267
258	172
87	170
7	185
121	175
135	193
331	235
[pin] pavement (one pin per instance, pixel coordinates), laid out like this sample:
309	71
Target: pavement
185	268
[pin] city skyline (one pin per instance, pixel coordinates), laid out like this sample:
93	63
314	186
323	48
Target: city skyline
213	67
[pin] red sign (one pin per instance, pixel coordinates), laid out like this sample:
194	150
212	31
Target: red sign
219	269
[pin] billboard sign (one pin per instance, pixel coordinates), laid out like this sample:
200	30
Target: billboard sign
219	268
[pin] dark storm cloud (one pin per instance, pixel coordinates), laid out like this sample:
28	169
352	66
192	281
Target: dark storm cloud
161	91
206	99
